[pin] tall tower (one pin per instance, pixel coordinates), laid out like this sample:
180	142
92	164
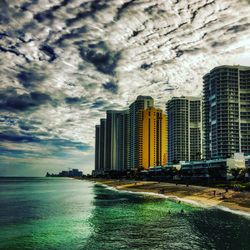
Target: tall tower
141	103
152	144
123	141
97	148
226	95
103	144
117	136
184	129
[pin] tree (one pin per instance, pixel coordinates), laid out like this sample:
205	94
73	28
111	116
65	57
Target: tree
235	172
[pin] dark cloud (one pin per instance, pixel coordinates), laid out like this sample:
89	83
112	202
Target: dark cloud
13	137
49	51
146	66
65	143
179	53
75	100
239	28
74	34
26	5
10	136
135	33
26	125
4	13
13	50
30	78
99	103
49	13
45	15
124	7
18	147
11	100
110	86
100	56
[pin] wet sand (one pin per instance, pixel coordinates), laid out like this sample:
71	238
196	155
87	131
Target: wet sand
205	196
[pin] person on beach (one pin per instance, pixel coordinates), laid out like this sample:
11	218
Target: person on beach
161	191
214	192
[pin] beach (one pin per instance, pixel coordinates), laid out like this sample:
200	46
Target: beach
203	196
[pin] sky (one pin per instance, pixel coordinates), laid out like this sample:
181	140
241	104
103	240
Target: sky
63	63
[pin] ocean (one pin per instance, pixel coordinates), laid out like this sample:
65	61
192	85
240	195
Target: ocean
63	213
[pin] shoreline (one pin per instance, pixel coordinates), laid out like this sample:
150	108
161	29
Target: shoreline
231	201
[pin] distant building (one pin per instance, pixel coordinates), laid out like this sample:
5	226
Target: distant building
141	103
184	129
74	173
226	95
152	138
71	173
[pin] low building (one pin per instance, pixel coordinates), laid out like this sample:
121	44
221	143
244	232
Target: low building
212	169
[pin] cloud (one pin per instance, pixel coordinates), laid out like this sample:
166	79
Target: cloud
49	51
16	149
30	78
75	100
110	86
64	63
100	56
11	100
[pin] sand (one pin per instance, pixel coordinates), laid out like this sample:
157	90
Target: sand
204	196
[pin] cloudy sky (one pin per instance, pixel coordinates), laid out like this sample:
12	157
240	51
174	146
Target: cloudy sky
65	62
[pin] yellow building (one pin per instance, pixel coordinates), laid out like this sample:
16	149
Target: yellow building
152	138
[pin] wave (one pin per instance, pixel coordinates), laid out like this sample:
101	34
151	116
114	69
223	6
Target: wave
178	199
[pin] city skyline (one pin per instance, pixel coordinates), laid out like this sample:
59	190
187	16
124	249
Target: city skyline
209	131
65	63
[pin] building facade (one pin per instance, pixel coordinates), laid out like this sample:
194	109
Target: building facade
97	148
135	124
152	139
103	151
226	96
184	129
117	141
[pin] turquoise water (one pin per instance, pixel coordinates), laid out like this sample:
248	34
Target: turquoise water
58	213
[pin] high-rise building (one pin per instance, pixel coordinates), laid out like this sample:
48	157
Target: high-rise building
226	96
123	141
117	136
184	129
103	145
152	138
97	148
141	103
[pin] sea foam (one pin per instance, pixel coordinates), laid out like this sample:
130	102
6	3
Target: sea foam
177	199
